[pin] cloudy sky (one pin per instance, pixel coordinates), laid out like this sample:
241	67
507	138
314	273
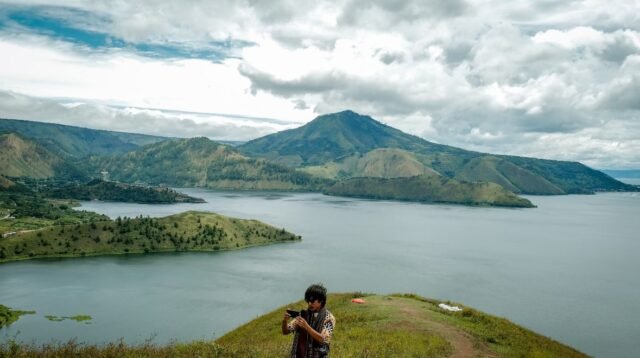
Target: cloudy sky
550	79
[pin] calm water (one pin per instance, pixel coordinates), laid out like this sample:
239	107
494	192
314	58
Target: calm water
568	269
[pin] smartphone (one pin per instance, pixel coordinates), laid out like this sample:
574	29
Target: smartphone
293	314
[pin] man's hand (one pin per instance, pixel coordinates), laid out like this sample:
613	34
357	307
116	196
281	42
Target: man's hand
287	316
302	323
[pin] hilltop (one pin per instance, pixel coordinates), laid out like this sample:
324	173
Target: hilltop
385	326
200	162
340	145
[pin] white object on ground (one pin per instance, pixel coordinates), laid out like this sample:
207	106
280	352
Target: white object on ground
445	306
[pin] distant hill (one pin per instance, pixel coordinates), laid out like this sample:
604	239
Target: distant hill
340	145
199	162
377	163
21	157
429	189
70	141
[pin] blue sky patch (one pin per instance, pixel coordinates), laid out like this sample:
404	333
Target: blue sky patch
90	30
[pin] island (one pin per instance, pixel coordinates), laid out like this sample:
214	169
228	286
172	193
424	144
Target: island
188	231
429	189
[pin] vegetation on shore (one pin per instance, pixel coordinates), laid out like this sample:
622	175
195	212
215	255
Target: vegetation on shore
24	211
189	231
428	189
111	191
8	316
384	326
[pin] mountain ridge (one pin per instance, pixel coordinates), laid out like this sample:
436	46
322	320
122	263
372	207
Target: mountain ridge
331	140
199	162
73	141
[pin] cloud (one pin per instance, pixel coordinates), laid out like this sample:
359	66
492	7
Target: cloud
137	120
508	77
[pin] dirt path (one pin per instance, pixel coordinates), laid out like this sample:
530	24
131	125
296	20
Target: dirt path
414	315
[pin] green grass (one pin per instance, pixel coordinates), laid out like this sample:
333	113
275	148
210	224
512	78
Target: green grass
189	231
385	326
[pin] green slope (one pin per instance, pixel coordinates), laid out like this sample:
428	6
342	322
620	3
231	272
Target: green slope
189	231
506	174
70	141
21	157
429	189
328	146
399	326
378	163
200	162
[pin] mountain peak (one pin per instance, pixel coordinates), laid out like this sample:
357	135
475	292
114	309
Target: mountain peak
332	136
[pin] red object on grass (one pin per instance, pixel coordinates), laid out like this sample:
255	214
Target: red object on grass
357	300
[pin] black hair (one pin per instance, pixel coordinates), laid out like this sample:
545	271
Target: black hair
316	291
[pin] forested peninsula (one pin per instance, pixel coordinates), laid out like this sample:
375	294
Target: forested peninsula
189	231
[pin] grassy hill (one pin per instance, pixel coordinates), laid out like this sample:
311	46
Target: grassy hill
20	157
111	191
70	141
377	163
385	326
200	162
340	145
428	189
189	231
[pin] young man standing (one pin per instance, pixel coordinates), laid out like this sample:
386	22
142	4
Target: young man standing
313	328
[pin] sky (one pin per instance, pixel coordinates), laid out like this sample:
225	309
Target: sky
547	79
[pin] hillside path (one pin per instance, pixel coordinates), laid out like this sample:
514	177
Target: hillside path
416	317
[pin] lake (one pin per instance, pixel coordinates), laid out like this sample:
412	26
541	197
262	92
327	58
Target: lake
567	269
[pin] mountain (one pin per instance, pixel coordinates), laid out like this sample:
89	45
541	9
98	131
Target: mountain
69	141
199	162
333	136
21	157
339	145
429	189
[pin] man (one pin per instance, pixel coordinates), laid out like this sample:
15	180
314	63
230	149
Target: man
313	327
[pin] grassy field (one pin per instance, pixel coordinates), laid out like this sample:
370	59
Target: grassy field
189	231
385	326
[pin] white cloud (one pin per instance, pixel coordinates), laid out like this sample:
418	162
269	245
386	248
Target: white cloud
541	78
